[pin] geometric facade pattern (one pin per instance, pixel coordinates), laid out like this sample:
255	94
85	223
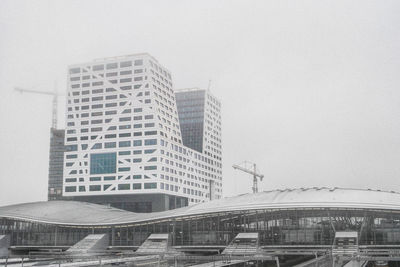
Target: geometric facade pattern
123	134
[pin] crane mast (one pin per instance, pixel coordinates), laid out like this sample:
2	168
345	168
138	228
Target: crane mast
54	102
252	171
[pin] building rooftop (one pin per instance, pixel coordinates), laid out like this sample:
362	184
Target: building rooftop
81	213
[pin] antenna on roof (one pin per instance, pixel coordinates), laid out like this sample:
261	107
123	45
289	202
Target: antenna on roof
209	85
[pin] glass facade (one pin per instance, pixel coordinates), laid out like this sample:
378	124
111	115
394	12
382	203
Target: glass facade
275	227
191	117
103	163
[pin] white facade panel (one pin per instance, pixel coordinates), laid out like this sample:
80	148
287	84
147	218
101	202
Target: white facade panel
123	134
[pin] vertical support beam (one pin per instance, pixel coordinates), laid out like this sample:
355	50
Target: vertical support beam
126	236
181	232
333	226
256	220
120	236
112	235
277	262
17	232
362	228
55	235
244	222
190	231
173	232
217	230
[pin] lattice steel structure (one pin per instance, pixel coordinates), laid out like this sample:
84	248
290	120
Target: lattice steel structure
283	217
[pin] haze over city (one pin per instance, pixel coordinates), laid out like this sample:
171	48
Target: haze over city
309	89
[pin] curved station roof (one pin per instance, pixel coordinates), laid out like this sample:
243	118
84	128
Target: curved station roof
87	214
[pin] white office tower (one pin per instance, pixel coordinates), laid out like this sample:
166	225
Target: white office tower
123	139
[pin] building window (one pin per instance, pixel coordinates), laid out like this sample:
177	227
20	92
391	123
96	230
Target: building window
125	80
149	151
138	62
150	133
150	142
136	186
146	168
124	187
70	189
137	143
97	68
126	72
95	188
124	143
125	64
125	119
75	70
72	147
150	185
103	163
109	145
110	66
97	146
124	134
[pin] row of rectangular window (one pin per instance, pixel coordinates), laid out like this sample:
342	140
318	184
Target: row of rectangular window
121	127
121	153
99	121
108	90
100	83
147	142
108	74
107	105
106	178
135	186
108	66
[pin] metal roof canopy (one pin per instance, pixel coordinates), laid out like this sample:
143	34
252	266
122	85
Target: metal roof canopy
73	213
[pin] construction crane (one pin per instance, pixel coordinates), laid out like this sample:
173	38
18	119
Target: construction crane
250	171
54	94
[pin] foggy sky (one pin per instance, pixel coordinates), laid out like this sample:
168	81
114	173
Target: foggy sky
310	90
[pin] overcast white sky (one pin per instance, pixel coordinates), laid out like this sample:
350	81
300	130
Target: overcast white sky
310	89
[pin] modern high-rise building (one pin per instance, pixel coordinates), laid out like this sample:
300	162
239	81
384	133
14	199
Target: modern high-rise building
123	138
200	120
56	162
